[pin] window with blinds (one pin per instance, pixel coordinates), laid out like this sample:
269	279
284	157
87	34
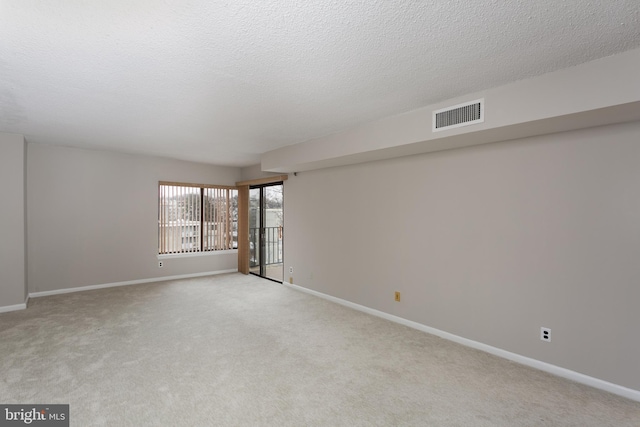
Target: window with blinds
196	218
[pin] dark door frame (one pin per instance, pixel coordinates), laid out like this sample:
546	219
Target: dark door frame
261	229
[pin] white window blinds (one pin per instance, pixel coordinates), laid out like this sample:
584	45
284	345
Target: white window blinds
196	218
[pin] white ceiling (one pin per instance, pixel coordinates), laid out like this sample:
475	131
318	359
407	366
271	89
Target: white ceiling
222	82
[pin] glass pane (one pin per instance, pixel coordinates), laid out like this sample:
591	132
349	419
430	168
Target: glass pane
254	230
180	219
273	232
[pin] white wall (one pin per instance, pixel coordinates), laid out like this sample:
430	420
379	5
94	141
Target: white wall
599	92
12	222
92	217
255	172
489	243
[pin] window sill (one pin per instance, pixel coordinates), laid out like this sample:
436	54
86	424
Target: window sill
197	254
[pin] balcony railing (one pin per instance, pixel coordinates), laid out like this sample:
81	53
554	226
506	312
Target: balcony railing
272	246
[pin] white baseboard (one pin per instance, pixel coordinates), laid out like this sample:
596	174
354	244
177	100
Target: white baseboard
15	307
127	283
537	364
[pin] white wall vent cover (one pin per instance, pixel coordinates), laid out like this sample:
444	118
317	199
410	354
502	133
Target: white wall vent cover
459	115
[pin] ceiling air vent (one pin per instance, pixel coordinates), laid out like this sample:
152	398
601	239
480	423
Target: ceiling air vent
459	115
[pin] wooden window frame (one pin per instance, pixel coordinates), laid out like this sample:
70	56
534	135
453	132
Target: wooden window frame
219	217
243	217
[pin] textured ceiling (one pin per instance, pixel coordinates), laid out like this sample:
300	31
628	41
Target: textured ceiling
224	81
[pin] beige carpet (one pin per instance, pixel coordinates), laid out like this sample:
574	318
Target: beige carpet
238	350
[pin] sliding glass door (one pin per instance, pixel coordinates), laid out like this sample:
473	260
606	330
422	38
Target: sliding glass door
266	230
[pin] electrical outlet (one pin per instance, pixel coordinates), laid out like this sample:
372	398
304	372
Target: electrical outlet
290	270
545	334
160	264
397	296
